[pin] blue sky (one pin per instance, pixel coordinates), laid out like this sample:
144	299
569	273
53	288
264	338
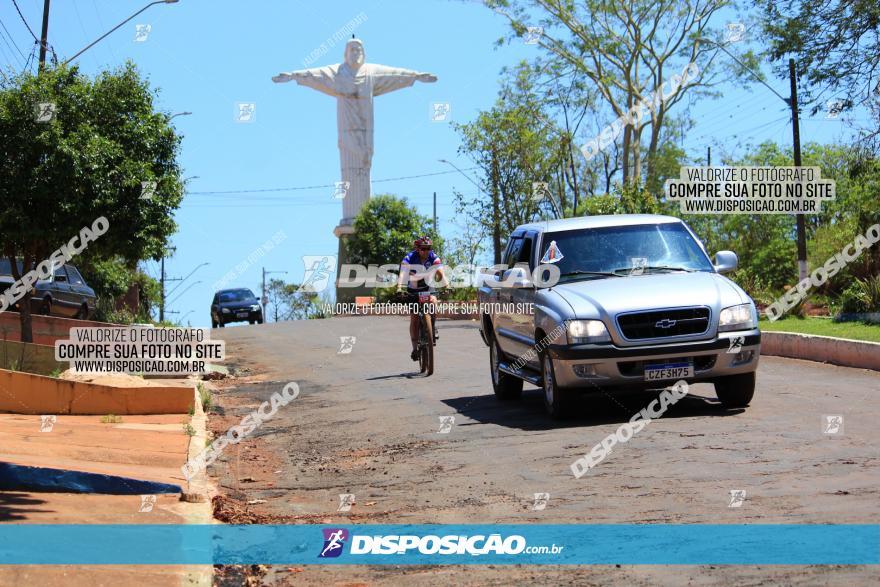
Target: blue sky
206	56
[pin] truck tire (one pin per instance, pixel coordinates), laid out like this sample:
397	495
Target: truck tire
735	391
506	387
556	401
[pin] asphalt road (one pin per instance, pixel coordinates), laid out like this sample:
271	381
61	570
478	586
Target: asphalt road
366	424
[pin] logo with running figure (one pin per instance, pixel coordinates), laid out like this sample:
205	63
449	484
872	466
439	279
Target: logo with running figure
319	269
334	540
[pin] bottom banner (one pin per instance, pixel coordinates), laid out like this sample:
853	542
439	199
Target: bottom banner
434	544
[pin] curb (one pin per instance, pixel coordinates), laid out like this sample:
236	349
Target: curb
26	393
823	349
197	489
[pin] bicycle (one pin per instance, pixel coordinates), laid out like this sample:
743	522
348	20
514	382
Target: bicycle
426	338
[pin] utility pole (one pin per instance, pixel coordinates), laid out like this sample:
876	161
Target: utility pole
796	136
435	214
496	211
792	102
162	281
708	156
44	35
162	298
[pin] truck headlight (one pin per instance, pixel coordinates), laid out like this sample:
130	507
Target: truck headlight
741	317
225	310
255	307
587	331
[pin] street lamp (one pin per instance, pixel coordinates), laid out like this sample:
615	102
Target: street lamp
187	277
105	35
796	142
179	114
468	177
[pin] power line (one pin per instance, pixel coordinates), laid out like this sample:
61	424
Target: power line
11	41
6	57
25	21
314	187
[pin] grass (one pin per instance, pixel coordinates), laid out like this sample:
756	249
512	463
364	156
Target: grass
824	327
111	419
188	429
205	396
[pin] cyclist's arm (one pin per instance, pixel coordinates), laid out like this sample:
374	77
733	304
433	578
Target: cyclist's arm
403	275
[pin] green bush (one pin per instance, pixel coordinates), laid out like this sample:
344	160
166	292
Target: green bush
755	286
861	297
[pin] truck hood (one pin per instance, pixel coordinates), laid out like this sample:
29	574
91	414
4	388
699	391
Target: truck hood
593	298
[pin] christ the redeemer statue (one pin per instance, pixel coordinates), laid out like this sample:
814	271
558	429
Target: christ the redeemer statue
354	84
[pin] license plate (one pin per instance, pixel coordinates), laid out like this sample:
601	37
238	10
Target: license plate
668	371
241	315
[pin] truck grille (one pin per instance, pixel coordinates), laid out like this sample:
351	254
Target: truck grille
664	323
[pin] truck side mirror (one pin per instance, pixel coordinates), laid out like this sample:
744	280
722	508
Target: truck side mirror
490	276
725	261
518	277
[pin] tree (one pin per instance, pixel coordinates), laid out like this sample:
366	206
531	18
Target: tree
627	51
836	46
111	278
288	301
385	229
89	158
514	148
467	245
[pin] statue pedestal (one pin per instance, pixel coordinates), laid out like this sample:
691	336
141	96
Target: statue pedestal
346	295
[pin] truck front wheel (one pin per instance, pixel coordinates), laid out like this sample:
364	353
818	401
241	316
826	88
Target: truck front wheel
557	401
735	391
506	386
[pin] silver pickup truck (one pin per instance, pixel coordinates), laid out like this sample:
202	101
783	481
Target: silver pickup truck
604	302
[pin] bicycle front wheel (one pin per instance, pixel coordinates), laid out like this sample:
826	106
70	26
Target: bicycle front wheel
426	345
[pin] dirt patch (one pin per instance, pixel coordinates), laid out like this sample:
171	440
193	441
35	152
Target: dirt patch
238	575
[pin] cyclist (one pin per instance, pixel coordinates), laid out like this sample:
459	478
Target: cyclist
416	266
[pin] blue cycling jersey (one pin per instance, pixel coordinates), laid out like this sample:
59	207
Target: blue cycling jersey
414	261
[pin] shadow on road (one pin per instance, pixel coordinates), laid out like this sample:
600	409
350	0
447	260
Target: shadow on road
14	505
412	375
528	412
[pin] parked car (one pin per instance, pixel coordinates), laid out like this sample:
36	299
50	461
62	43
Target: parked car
235	305
638	303
64	294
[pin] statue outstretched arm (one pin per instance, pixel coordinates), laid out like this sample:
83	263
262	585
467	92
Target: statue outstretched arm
322	79
387	79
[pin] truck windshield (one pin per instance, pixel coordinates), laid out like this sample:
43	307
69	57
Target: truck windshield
596	253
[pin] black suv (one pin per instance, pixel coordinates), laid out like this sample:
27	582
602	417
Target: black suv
235	305
64	294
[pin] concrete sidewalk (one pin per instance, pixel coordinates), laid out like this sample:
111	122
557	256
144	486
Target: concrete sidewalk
151	448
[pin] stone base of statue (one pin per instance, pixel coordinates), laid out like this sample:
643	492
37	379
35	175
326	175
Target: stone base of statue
346	295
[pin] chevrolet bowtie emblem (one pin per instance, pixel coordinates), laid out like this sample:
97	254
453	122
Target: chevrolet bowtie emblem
665	323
